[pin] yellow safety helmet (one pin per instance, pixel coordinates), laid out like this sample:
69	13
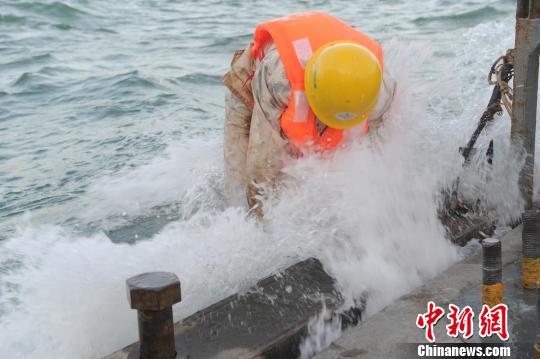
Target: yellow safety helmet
342	81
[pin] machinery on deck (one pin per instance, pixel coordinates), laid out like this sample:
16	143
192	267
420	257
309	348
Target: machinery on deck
465	218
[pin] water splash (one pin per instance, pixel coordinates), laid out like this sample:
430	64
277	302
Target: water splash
322	331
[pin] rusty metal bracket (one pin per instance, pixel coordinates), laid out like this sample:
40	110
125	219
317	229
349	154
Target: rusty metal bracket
527	51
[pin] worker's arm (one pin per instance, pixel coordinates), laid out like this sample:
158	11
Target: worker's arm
271	91
238	110
258	94
236	137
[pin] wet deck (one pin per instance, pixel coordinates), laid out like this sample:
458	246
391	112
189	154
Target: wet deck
384	334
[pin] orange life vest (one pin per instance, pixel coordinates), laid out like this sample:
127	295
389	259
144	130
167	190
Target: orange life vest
297	37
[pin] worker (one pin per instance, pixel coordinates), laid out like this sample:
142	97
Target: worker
296	88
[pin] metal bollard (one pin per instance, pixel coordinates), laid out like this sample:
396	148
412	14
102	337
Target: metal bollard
492	286
153	294
537	342
531	262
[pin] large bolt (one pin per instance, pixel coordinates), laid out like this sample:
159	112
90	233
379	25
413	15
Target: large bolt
492	288
530	236
153	295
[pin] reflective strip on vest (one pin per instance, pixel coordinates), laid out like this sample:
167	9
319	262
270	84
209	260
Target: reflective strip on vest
303	50
301	106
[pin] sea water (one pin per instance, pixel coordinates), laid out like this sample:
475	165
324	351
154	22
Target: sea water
111	117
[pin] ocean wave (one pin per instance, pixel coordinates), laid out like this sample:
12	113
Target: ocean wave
222	42
134	80
106	30
64	27
199	78
33	204
26	61
34	84
468	17
23	80
11	19
56	70
110	95
58	10
225	41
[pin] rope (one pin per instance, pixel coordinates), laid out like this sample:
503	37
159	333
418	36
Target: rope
500	74
503	69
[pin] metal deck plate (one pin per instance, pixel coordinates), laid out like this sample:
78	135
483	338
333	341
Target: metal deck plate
268	321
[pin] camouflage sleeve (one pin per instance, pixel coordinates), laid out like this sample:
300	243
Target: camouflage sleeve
270	86
238	110
253	143
236	137
271	91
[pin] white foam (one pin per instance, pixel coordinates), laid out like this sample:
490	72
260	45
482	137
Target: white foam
165	179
